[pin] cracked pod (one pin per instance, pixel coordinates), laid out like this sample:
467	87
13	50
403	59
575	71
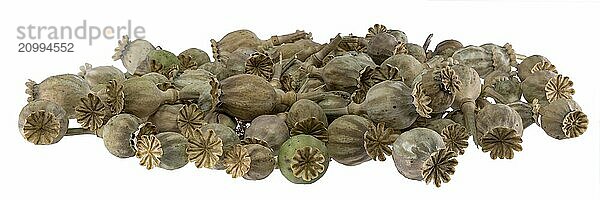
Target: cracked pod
533	64
346	139
483	60
43	122
100	75
409	67
65	90
547	86
303	159
412	149
563	119
269	128
142	97
118	134
388	102
499	131
132	53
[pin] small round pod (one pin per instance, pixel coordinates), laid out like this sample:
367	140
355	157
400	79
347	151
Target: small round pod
525	111
447	48
532	64
547	86
43	122
346	139
388	102
269	128
502	87
117	134
196	57
455	135
165	118
65	90
563	119
409	67
100	75
416	51
142	97
251	161
435	92
303	159
381	46
304	109
341	73
412	149
228	137
166	150
499	131
132	53
480	59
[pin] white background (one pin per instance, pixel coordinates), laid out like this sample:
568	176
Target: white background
80	168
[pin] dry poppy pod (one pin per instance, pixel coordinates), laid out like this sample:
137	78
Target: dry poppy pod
303	109
317	59
388	102
301	48
100	75
502	87
159	61
435	92
503	56
470	88
352	43
218	69
245	38
381	46
479	59
132	53
525	111
247	96
166	150
142	97
499	130
203	93
165	118
220	118
447	48
416	51
455	136
189	77
408	66
412	148
156	78
269	128
373	75
65	90
43	122
253	161
193	57
228	137
303	159
339	74
117	134
547	86
399	35
346	143
563	119
526	67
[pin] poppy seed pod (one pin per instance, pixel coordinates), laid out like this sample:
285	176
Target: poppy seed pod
547	86
447	48
246	38
193	57
228	139
118	134
43	122
339	74
381	46
100	75
132	53
563	119
484	61
417	52
409	67
269	128
304	109
412	148
251	161
525	111
65	90
435	92
166	150
142	97
502	87
165	118
499	131
533	64
346	143
303	159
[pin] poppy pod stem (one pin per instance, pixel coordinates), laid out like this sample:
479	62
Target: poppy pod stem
468	110
351	109
317	58
289	38
79	131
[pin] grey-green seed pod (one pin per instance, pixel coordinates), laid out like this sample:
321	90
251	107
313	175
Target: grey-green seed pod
346	139
165	118
412	148
417	52
132	53
174	150
303	159
408	66
117	134
262	162
100	75
227	135
269	128
563	119
65	90
304	109
499	130
524	68
198	56
43	122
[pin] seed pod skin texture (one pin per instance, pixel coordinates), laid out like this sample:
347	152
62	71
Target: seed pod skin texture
304	109
497	115
52	122
524	68
408	66
262	162
66	90
247	96
165	118
269	128
563	119
397	110
174	150
412	148
117	134
346	139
